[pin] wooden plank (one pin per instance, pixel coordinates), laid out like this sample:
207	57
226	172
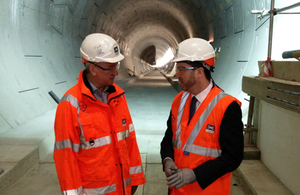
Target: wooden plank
282	84
284	96
286	70
254	87
248	134
283	105
259	87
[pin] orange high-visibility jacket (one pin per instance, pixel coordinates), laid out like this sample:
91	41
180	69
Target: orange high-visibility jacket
199	141
95	144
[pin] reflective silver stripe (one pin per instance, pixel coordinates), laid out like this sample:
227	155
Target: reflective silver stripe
74	102
135	170
188	146
122	135
131	127
66	144
103	190
97	143
85	144
73	192
177	143
127	182
210	152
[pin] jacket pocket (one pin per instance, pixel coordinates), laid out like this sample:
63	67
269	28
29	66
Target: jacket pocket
88	128
95	125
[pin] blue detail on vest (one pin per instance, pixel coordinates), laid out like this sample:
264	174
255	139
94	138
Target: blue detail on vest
186	153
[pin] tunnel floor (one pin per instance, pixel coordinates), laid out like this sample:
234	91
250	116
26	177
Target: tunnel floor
149	100
42	180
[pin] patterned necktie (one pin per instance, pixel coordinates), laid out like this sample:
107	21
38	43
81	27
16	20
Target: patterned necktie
192	108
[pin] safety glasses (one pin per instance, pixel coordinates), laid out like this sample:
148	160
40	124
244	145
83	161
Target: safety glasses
107	69
183	68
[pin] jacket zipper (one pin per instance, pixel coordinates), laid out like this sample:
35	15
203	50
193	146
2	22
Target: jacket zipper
114	97
122	178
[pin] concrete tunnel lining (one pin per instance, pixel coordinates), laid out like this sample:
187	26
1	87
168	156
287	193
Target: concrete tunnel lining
149	54
47	58
70	22
140	20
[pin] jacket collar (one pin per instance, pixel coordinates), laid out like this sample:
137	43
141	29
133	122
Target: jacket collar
86	89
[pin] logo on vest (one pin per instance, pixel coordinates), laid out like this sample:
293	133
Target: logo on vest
124	122
210	128
82	106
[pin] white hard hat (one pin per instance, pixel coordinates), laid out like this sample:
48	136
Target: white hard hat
98	47
195	49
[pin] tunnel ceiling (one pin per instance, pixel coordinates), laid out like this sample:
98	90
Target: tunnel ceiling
137	25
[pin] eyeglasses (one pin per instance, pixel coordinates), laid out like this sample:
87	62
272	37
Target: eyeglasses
183	68
107	69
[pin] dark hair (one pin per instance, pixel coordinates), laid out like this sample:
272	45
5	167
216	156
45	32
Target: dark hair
200	64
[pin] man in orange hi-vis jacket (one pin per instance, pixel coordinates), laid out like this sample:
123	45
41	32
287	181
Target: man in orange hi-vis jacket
95	143
203	143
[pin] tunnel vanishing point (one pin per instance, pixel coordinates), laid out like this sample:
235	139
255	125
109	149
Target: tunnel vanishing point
39	52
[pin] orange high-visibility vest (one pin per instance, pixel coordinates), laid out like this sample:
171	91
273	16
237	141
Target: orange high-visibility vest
95	144
199	141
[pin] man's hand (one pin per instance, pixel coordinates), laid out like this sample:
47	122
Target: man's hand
169	167
181	178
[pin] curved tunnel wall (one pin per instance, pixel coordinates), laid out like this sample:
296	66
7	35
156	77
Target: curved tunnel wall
40	43
40	40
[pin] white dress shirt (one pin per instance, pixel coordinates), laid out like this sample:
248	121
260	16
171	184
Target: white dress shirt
202	95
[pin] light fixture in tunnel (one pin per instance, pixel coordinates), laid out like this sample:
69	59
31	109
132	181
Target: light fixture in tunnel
168	56
211	33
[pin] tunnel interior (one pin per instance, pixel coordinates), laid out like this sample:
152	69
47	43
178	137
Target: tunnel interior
149	55
40	41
